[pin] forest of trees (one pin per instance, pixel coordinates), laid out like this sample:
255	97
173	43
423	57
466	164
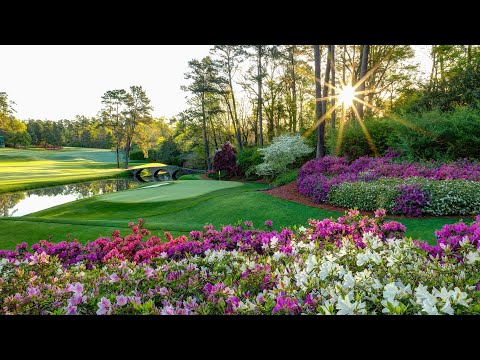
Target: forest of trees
248	95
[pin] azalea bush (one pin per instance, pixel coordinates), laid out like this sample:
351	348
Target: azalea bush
411	197
369	183
281	153
352	265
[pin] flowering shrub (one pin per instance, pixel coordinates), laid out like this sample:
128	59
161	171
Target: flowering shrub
411	197
411	200
225	160
282	152
455	241
355	265
336	181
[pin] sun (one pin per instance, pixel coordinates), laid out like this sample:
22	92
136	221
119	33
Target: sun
346	95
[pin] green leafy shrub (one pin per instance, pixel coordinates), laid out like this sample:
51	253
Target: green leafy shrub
432	135
282	153
189	177
439	135
354	143
136	155
247	160
168	153
452	197
285	178
362	195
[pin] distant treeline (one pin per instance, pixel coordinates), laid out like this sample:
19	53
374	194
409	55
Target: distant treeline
81	132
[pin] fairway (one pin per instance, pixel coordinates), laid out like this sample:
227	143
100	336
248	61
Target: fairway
34	168
179	207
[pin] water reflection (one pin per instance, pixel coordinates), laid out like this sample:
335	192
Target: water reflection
26	202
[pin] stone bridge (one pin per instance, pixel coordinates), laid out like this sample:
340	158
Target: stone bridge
172	171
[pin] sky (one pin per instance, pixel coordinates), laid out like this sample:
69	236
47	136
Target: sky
60	81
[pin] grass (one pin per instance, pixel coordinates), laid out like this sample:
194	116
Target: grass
37	167
179	207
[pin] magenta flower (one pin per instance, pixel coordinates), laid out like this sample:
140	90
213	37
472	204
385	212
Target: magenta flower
269	223
380	213
286	305
76	288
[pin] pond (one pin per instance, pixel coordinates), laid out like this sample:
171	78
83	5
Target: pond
26	202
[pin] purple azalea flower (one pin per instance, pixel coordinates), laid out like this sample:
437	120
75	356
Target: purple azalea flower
104	306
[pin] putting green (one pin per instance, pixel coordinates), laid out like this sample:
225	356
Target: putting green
175	190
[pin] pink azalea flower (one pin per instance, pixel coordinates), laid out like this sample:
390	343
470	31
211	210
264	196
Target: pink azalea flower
114	278
76	288
149	272
104	306
122	300
72	310
168	310
33	291
44	257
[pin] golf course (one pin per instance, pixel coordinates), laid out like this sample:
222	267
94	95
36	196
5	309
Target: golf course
174	206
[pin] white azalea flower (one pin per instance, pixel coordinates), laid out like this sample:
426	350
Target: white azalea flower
385	304
302	229
390	291
346	307
430	308
273	242
472	257
447	309
465	240
459	297
348	280
277	255
362	258
310	263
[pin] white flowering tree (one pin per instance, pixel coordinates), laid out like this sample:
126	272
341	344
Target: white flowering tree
282	152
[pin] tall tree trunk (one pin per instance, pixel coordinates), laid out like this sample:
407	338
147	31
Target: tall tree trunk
270	124
231	116
118	156
260	125
235	119
343	63
327	81
205	139
294	90
469	55
433	66
127	152
332	119
318	104
332	61
361	87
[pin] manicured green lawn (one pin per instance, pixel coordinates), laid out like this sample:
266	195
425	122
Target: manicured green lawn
34	168
179	207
